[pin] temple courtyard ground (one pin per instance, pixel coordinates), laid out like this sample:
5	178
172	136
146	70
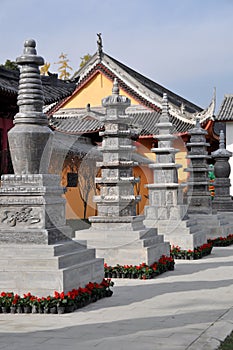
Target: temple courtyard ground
190	308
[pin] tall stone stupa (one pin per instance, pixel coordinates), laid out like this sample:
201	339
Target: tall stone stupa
117	233
36	248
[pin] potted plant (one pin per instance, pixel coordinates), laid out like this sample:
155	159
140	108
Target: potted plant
6	301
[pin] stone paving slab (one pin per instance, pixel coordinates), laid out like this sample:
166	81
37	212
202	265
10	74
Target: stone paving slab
190	308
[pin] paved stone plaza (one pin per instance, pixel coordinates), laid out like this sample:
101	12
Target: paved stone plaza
186	309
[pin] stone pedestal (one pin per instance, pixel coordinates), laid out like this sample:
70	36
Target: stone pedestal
32	210
37	253
125	241
117	233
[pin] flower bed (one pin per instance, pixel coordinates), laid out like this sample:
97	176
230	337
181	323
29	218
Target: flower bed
58	303
222	241
142	271
197	253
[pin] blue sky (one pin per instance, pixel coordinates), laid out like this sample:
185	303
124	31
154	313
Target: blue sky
184	45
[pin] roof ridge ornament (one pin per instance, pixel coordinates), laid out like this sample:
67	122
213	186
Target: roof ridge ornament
205	114
100	46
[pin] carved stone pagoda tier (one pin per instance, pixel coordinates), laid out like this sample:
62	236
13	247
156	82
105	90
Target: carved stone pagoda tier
117	233
36	248
165	210
199	199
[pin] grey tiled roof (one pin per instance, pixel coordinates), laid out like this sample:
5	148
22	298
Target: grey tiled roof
54	89
226	109
75	125
69	121
157	88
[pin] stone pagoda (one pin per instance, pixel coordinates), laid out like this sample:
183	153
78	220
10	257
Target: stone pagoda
37	252
117	233
222	198
165	210
199	199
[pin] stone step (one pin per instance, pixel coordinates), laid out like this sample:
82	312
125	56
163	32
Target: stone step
48	263
187	241
152	241
29	250
134	255
116	240
148	232
41	284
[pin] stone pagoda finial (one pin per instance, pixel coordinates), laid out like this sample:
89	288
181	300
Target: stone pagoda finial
120	102
30	95
221	157
165	109
221	140
198	124
115	88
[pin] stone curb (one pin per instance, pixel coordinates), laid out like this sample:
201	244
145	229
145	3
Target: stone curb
215	334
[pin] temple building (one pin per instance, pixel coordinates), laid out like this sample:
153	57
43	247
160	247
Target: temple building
77	120
75	115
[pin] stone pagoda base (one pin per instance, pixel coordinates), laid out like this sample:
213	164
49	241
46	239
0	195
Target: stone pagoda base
37	252
124	240
172	222
215	225
186	234
42	269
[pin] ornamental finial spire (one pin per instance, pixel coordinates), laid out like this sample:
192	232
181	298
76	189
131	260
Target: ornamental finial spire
198	124
165	109
115	89
222	140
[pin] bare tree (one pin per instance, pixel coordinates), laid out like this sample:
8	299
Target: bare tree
86	180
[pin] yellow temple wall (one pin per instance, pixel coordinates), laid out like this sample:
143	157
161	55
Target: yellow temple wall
93	92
